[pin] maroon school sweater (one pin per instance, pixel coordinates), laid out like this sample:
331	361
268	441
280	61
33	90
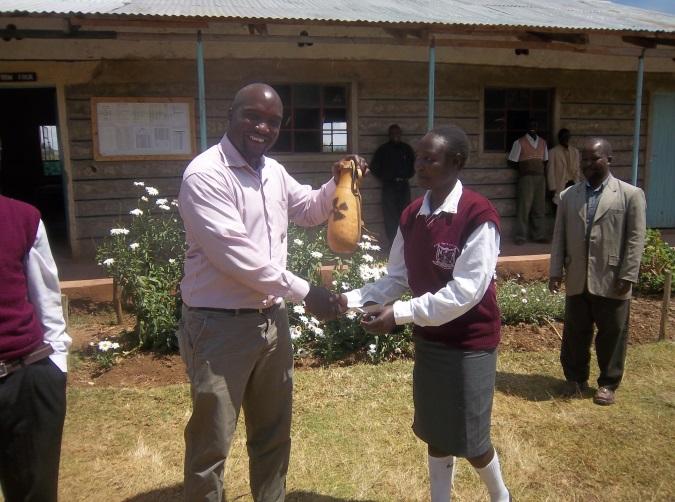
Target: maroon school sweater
431	247
20	330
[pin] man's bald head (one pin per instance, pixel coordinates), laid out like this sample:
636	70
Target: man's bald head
601	143
254	92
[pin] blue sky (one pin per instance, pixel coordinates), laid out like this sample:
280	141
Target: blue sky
662	5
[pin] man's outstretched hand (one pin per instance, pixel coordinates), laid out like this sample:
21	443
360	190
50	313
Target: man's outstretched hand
319	303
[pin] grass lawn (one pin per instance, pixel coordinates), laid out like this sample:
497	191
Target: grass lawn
352	438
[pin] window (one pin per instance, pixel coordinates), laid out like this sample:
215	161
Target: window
49	147
315	118
507	112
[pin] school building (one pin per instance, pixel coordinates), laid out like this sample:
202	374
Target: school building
118	91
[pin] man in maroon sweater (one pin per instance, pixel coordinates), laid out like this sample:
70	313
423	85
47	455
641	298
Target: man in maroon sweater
33	350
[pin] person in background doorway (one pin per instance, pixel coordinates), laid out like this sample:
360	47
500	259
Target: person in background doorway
393	164
563	169
530	155
234	337
598	242
33	350
445	254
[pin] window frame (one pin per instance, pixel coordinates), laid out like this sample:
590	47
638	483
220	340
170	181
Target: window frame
289	111
550	110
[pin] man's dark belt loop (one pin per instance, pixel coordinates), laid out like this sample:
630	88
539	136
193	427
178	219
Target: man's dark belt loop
7	367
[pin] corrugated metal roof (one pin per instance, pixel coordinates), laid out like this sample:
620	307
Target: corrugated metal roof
569	14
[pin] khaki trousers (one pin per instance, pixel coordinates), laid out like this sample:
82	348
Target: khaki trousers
531	207
233	361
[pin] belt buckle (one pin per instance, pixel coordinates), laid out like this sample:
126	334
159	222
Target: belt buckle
3	370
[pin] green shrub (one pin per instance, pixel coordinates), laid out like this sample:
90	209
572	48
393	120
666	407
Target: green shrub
529	303
658	258
333	340
146	260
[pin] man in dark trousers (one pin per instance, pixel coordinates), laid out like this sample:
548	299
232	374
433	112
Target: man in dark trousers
33	350
393	164
598	240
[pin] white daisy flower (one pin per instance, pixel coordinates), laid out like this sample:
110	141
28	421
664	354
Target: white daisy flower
134	245
316	254
104	346
165	207
298	309
159	202
136	212
297	242
119	231
144	198
171	260
367	258
372	349
296	332
524	300
109	262
152	191
139	183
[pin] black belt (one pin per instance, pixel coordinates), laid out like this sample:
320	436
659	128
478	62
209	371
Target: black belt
235	312
7	367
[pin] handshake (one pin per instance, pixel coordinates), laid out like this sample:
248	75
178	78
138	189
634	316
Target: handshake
326	306
323	304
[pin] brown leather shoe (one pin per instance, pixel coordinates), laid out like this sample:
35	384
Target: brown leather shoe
604	396
574	389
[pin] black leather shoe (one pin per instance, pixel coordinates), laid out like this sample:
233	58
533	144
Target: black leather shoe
604	396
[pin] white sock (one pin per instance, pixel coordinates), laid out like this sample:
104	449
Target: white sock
441	475
491	475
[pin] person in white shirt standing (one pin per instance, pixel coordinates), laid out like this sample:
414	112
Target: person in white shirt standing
445	253
564	166
33	350
530	154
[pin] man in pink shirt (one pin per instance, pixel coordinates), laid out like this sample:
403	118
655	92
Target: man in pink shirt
234	338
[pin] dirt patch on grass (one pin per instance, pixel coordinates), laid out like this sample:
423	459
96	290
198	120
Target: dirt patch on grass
93	321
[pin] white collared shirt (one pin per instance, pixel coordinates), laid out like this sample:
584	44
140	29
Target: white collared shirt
44	293
473	272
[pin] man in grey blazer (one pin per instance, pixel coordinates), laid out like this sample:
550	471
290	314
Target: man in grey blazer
598	240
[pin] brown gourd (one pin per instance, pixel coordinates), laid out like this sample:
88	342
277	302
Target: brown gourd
344	222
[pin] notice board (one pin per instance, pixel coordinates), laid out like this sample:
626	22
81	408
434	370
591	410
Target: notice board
133	128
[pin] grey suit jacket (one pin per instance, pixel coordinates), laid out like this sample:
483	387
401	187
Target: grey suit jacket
616	239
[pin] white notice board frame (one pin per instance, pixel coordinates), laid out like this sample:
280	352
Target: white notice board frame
143	128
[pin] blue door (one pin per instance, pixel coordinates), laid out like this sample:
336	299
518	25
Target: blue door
661	180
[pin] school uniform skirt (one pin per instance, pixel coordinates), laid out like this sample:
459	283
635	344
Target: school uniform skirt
452	393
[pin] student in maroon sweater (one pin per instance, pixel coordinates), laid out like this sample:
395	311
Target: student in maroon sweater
445	253
33	350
